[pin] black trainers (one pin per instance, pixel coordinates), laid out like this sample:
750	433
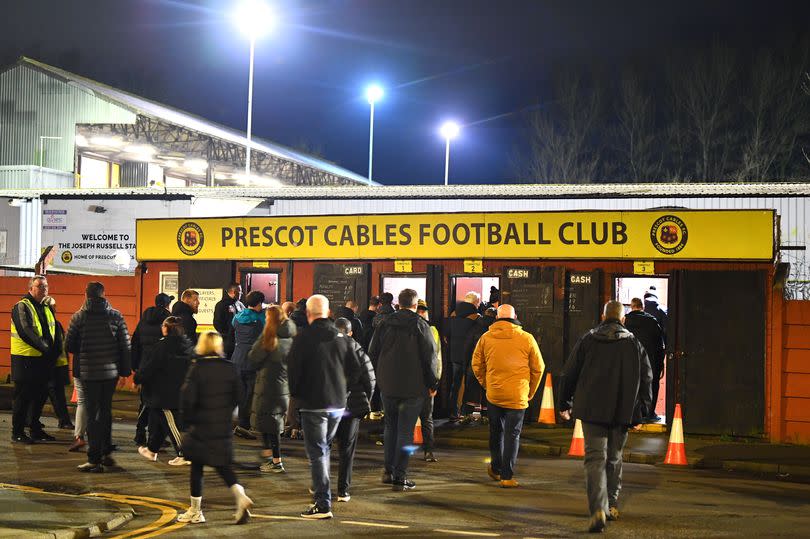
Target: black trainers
42	436
387	478
107	460
317	513
401	485
21	439
89	467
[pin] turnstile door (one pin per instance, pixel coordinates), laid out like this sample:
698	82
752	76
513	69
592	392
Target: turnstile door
342	282
538	296
583	298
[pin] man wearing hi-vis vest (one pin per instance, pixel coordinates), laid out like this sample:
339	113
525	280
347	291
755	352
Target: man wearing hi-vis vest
33	354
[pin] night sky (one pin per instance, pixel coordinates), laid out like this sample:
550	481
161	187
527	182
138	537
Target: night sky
482	63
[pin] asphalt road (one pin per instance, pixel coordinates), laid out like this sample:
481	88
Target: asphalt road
453	496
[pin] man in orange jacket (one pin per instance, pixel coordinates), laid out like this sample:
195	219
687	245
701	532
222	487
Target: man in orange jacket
508	364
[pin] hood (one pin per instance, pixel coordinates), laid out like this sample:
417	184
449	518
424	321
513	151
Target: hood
386	308
650	301
287	329
344	312
403	318
464	309
610	331
249	316
155	315
96	305
639	314
504	328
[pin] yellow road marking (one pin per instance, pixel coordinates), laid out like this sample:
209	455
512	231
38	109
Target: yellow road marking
374	524
459	532
167	515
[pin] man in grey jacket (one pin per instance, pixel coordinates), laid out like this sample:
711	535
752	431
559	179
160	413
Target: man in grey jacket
99	342
404	352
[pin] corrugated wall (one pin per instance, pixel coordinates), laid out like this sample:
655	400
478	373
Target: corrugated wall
28	176
33	104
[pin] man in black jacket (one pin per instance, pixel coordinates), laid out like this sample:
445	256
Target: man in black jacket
99	342
460	327
367	319
607	381
322	365
646	329
404	352
224	311
147	333
185	309
349	312
33	356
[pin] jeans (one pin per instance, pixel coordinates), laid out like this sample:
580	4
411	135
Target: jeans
80	425
603	464
98	396
457	375
505	425
29	397
319	431
426	417
248	379
347	444
400	420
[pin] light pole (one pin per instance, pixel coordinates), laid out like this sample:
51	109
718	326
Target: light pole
254	19
449	130
373	93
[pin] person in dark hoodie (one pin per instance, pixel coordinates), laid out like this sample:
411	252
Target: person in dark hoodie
247	327
367	319
299	315
652	306
99	341
322	366
405	354
646	329
459	329
162	374
349	312
605	384
147	333
185	309
224	311
474	395
384	309
272	394
357	406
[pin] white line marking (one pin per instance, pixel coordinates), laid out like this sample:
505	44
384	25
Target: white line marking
477	534
278	517
357	523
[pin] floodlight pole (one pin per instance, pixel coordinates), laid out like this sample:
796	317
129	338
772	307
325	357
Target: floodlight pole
370	141
446	159
250	106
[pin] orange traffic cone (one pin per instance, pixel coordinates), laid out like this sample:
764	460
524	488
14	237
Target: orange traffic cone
676	453
547	404
75	397
577	442
417	432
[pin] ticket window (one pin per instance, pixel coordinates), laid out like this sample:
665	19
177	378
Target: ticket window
266	283
395	284
482	285
628	288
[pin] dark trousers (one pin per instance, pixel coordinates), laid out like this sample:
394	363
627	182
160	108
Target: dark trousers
375	402
346	437
56	391
143	422
603	464
656	386
27	408
98	397
319	431
163	423
400	420
426	417
248	379
505	425
456	376
272	441
225	472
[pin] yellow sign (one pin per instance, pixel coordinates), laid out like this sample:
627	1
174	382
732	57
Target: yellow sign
403	266
639	235
473	266
262	264
644	268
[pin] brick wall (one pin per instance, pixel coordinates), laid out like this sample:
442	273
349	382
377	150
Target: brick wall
796	373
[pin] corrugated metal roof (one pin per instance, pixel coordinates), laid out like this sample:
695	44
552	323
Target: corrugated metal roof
152	109
517	191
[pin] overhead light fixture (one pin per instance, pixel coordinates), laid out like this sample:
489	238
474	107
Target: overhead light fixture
196	166
111	142
142	152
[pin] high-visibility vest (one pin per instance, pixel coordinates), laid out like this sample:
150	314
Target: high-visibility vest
21	348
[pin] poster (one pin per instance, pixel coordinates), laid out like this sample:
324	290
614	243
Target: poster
205	313
168	285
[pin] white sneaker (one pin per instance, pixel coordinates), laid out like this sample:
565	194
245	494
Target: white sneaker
179	461
345	497
145	453
243	505
191	516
